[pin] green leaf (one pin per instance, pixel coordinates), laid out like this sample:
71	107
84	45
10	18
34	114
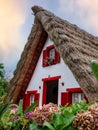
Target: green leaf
68	119
48	125
33	105
94	67
1	70
20	110
4	108
67	110
58	121
5	117
71	128
35	126
77	106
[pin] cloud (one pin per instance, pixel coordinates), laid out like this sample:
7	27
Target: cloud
84	12
12	18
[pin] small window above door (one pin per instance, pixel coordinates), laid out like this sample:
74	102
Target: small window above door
50	56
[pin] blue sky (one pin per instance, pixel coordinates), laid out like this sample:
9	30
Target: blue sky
16	20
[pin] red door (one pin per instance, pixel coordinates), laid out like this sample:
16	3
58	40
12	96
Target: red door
50	90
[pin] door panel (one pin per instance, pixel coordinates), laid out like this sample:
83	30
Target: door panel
52	91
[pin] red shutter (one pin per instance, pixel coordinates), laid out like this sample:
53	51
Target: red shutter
44	58
57	57
64	98
36	97
26	101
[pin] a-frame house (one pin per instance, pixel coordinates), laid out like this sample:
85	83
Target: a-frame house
41	72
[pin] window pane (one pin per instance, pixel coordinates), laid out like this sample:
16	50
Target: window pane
52	54
77	97
31	98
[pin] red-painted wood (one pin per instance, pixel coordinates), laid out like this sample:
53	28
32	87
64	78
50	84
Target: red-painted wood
45	87
46	55
50	47
64	98
74	90
57	57
26	101
44	93
37	97
51	78
32	92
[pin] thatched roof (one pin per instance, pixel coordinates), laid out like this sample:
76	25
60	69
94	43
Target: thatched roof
76	46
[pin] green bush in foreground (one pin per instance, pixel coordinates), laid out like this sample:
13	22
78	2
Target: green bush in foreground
49	117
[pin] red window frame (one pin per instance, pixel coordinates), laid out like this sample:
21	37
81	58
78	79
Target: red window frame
26	98
66	97
46	60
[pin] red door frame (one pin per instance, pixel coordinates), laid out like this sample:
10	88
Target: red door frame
45	87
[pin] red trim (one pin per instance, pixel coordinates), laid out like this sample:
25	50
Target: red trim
66	97
44	93
51	78
32	92
72	90
57	57
45	87
26	101
50	47
36	97
46	56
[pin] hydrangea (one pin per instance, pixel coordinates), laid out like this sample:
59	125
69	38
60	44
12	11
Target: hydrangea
40	115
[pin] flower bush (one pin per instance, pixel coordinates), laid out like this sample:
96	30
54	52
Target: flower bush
78	116
44	114
49	117
87	120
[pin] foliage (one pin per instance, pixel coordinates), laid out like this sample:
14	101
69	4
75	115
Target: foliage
94	67
1	70
61	117
87	120
64	121
17	120
3	82
40	115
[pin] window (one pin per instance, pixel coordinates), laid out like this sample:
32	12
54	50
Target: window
31	98
50	56
72	95
77	97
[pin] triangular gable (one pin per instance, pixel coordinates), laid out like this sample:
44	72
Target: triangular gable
76	46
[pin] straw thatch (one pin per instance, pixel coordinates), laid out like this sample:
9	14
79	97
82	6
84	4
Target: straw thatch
76	47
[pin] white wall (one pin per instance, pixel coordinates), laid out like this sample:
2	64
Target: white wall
59	69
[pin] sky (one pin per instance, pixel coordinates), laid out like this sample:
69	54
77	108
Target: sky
16	21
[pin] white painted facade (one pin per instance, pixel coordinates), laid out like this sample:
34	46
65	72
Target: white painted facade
59	69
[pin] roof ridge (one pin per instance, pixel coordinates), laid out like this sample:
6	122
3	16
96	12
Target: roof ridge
37	9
